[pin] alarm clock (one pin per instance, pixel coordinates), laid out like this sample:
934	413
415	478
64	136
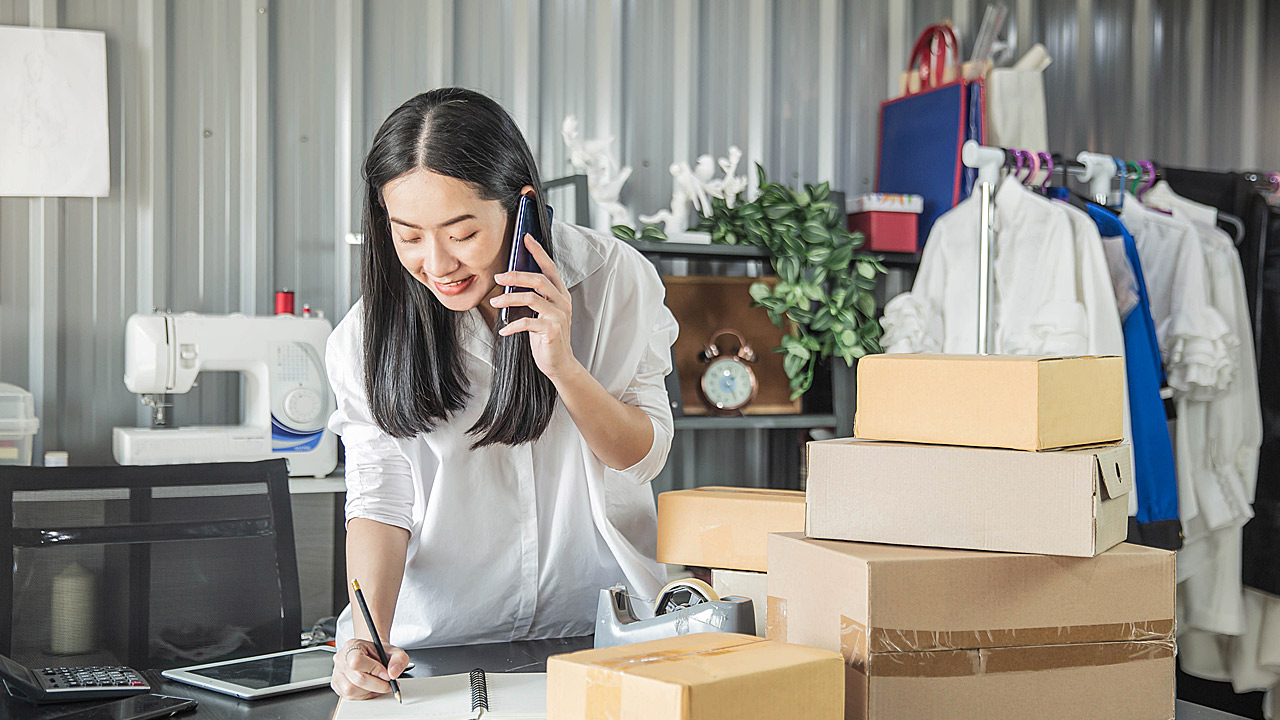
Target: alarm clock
728	384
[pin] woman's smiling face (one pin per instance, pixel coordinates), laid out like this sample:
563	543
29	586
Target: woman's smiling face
448	237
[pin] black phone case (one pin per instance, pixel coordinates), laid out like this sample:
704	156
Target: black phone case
520	259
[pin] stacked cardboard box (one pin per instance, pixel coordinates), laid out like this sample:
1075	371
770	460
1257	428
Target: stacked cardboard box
726	530
995	491
705	676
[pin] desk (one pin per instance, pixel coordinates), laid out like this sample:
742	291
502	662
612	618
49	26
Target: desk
530	656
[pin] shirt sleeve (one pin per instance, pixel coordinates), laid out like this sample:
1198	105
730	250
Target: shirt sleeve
648	391
912	321
378	476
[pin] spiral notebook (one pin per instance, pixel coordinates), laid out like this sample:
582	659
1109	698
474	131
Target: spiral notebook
473	696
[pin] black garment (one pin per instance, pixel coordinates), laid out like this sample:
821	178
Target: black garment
1232	193
1262	534
1163	534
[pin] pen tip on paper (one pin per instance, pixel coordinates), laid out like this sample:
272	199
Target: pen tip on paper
399	698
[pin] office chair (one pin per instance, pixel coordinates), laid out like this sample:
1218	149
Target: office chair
151	567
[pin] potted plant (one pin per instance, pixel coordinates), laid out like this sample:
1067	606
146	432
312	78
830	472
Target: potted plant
825	284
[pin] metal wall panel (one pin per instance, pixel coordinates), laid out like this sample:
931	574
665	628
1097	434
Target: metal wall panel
237	129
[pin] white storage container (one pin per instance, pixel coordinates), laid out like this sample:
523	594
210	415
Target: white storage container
18	425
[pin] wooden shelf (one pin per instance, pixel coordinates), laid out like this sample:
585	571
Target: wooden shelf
753	422
675	249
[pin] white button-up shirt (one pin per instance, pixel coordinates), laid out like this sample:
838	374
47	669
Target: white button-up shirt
511	543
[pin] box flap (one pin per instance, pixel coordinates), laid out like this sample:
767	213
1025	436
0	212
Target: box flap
727	491
1115	469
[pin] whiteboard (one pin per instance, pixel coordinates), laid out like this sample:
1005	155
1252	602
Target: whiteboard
53	113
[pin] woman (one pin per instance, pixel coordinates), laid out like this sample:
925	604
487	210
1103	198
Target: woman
496	475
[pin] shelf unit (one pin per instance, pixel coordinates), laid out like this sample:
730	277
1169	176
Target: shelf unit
756	422
769	445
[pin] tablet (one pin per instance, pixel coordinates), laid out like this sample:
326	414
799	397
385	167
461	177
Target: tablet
264	675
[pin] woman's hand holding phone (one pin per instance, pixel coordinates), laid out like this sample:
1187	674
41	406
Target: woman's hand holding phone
549	331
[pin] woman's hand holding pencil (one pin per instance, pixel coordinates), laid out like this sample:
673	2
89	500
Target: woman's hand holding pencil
367	668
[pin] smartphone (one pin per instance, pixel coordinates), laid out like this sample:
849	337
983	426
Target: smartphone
521	260
138	707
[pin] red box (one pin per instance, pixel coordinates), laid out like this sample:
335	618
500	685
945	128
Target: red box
886	231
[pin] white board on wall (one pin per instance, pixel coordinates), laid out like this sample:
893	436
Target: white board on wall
53	113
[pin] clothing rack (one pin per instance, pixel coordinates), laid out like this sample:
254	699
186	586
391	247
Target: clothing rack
1095	169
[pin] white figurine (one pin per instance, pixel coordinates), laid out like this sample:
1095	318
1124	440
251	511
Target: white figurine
676	218
697	185
604	178
731	185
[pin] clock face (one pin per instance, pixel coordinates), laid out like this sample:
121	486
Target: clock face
728	384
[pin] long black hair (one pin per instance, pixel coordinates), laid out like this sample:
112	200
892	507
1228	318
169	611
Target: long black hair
414	372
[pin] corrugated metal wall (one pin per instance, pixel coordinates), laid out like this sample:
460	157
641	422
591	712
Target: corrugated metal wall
237	129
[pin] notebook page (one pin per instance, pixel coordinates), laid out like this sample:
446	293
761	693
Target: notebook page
517	696
447	697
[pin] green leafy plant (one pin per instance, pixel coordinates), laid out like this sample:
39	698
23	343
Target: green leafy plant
651	233
825	285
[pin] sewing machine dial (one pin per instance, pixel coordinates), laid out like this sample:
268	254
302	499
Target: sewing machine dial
299	390
303	406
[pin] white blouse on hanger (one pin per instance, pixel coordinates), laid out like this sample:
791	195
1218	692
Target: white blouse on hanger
1035	307
1195	342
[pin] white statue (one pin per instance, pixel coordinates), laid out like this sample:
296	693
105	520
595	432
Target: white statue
697	185
676	218
730	186
604	178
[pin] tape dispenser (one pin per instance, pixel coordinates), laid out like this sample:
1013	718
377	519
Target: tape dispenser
683	607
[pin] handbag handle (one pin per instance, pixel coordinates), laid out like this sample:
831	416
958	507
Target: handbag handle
929	55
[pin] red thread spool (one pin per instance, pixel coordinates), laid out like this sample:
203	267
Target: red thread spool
284	302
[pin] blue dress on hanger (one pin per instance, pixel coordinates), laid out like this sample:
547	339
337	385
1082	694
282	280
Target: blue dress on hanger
1155	477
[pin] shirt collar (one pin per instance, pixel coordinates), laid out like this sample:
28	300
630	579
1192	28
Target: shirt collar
577	255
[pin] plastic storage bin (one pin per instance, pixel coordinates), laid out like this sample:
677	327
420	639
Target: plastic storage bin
18	425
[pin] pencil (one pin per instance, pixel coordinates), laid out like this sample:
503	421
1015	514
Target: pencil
382	653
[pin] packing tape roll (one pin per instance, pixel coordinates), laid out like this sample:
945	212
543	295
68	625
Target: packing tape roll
685	592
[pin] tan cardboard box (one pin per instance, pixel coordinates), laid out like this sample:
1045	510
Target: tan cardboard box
724	527
1068	502
1004	401
967	635
739	583
705	676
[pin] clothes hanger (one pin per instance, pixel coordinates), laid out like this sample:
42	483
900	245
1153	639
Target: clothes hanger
1120	171
1017	156
1150	167
1055	162
1137	176
1035	167
1048	160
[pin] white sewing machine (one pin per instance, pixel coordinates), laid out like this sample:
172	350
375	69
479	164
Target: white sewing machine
287	399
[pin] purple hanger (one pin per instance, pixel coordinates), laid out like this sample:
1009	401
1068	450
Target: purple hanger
1150	168
1048	159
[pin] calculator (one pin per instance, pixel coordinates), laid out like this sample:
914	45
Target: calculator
48	685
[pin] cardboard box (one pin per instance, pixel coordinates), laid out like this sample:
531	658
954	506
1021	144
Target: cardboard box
738	583
705	676
1005	401
1069	502
724	527
969	635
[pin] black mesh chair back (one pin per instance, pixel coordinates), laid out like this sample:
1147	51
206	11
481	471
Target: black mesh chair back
151	567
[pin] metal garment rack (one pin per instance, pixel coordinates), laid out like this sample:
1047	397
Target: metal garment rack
988	161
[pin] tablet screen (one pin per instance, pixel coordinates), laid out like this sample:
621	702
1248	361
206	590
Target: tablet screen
261	673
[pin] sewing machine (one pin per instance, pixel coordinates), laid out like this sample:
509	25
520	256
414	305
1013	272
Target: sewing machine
286	402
